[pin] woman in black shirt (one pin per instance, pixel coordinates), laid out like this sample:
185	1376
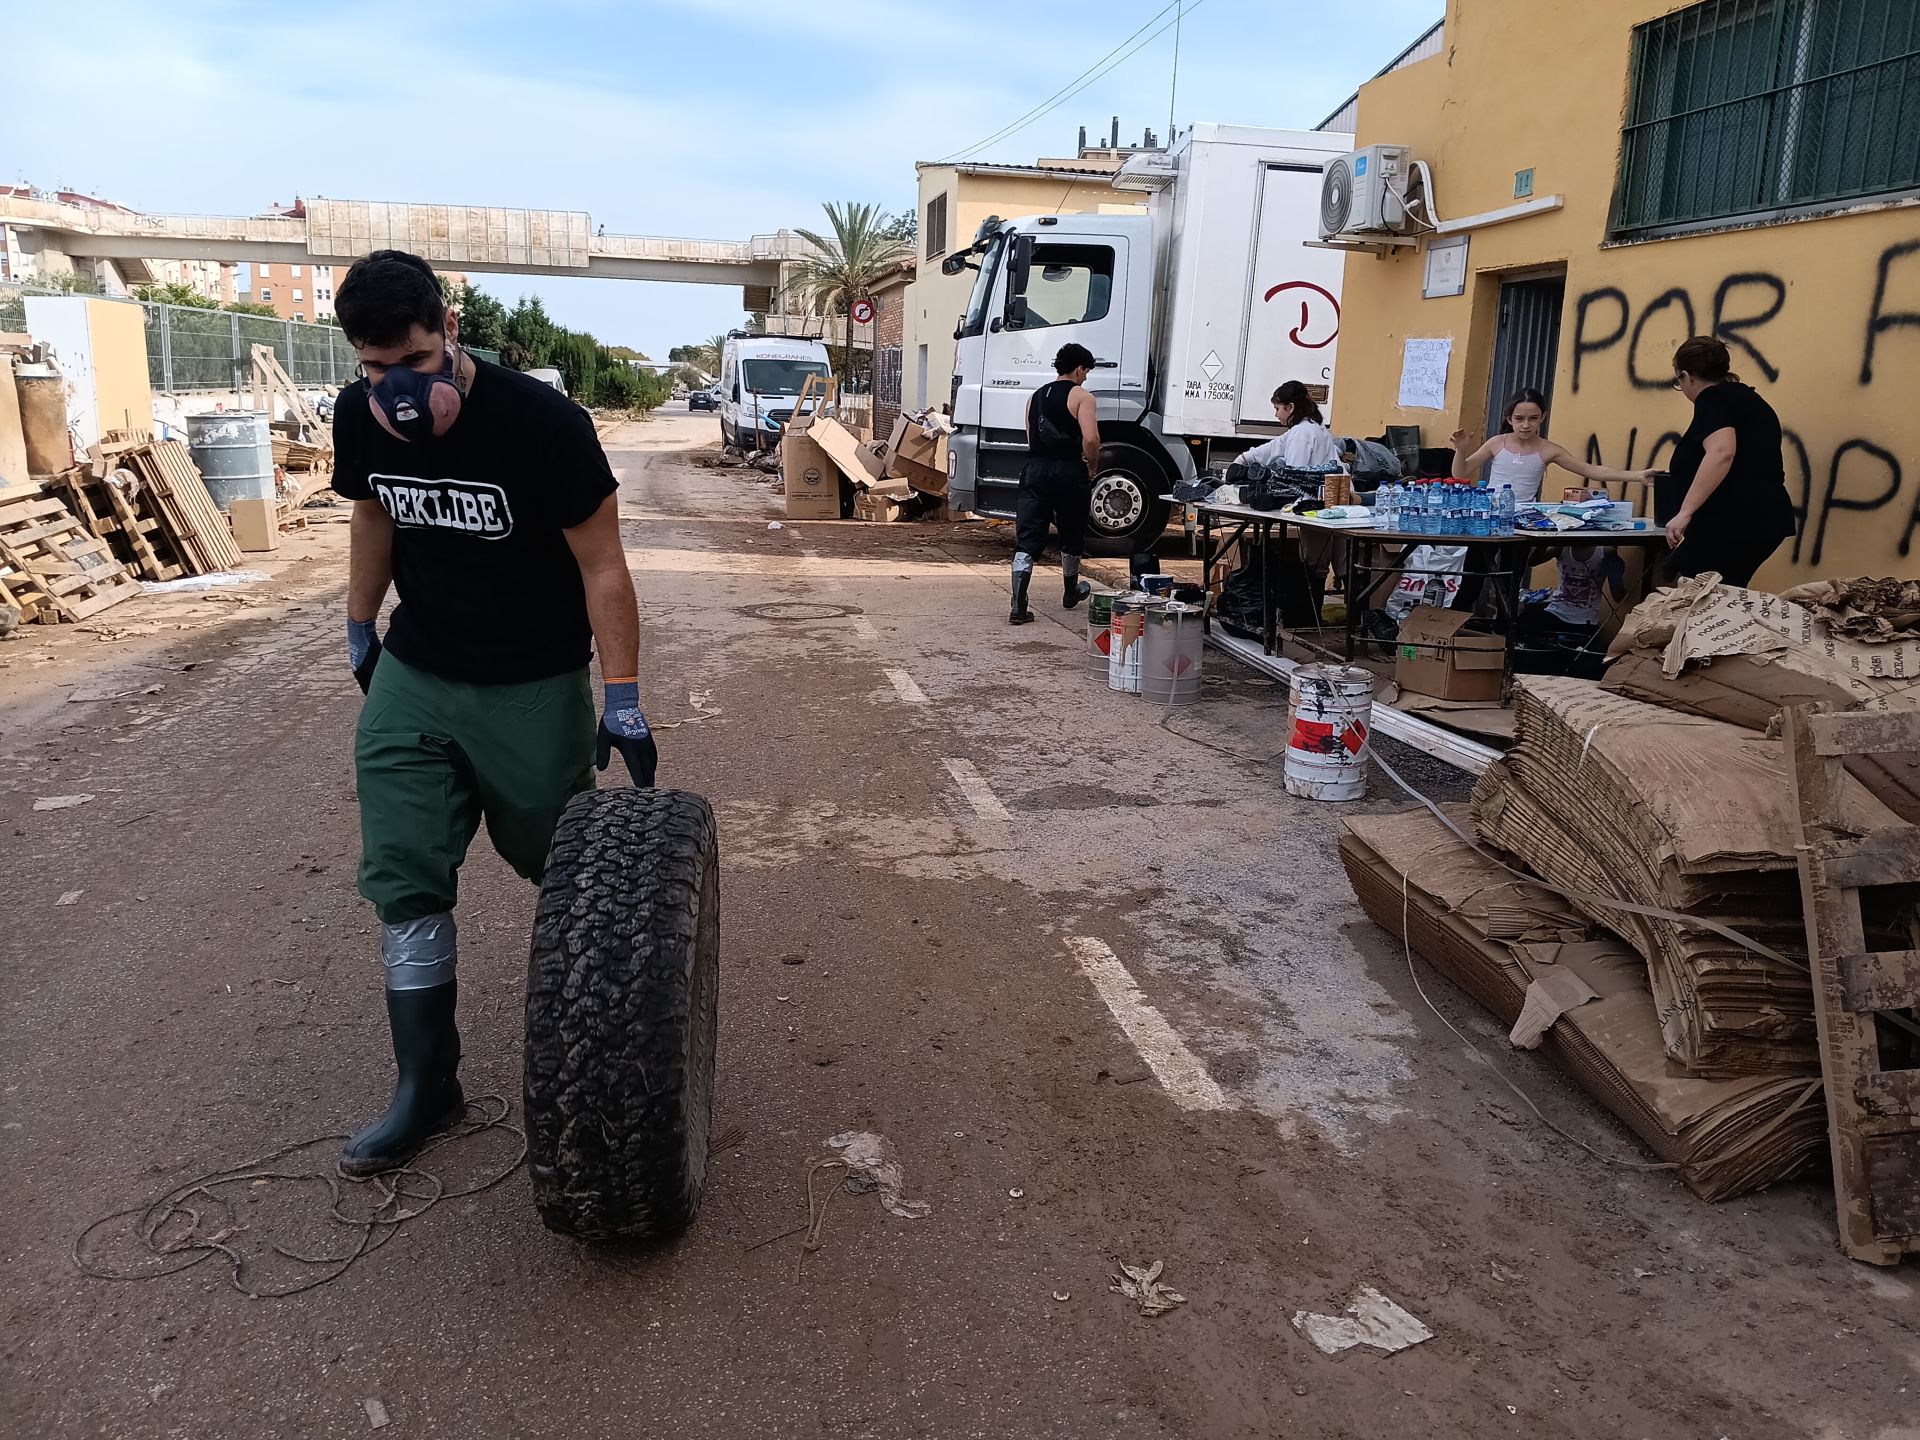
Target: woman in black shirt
1735	510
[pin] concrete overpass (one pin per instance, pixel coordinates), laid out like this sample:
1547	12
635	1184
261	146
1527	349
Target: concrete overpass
469	238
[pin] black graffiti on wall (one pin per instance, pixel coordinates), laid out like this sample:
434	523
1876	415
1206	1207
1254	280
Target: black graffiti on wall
1860	476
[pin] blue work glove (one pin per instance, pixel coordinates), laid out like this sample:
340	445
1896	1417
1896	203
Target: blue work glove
363	650
624	728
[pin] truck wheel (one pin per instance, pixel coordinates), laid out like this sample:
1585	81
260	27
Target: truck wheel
1127	514
622	1000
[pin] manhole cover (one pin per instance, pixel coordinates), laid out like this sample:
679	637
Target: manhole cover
800	610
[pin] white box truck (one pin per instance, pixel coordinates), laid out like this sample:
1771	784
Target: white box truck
1194	312
761	377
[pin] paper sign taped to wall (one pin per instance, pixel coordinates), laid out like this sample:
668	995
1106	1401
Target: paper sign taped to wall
1423	374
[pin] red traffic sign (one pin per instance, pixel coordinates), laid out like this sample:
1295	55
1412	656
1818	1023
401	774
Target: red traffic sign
862	312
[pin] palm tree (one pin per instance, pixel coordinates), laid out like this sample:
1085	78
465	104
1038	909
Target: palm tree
847	264
711	354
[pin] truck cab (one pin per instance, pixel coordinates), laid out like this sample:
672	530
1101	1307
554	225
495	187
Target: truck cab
1042	283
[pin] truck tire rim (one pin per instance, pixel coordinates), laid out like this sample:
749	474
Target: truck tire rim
1118	502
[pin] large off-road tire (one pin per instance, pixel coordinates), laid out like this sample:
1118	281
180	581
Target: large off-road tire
622	1003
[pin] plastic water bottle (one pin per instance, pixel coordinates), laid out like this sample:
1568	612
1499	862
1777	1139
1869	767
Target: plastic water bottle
1449	509
1503	511
1480	517
1383	507
1417	513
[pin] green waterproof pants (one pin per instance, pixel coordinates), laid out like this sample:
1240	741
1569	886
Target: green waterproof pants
434	757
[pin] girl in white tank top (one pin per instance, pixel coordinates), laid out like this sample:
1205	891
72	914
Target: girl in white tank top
1520	454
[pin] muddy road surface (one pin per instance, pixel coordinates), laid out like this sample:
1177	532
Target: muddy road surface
1095	978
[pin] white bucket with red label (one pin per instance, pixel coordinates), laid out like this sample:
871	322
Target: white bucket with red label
1329	720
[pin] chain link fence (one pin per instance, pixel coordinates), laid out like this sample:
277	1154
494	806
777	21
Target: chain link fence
190	349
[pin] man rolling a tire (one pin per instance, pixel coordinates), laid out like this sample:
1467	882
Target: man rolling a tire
1056	483
485	499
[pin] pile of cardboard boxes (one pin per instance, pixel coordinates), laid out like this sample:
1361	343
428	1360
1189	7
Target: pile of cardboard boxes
830	473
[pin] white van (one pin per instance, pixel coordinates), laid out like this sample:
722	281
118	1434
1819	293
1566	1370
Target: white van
760	379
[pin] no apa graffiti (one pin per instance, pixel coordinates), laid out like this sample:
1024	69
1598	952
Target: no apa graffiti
1742	305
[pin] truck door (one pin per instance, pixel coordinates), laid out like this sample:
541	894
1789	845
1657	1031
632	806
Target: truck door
1059	289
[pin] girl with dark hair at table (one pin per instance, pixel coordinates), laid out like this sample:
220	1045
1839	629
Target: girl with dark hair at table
1734	509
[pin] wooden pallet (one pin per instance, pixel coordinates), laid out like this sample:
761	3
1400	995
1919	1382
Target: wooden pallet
1866	1001
178	498
69	574
108	504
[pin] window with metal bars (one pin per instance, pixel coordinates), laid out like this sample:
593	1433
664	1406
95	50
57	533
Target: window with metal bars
1742	107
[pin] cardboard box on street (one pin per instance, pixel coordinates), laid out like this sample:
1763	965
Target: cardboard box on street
919	453
812	479
881	508
856	462
255	525
1438	657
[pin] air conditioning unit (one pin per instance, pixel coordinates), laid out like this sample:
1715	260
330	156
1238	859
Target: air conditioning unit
1365	193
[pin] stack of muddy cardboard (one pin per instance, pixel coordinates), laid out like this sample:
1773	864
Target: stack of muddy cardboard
1743	656
901	478
1535	962
1625	801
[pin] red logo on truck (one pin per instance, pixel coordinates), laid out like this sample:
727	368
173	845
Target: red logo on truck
1306	316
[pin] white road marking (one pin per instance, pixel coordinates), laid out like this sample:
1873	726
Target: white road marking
985	803
864	628
1179	1071
904	687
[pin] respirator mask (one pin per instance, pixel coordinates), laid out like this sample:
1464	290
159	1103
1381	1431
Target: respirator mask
418	405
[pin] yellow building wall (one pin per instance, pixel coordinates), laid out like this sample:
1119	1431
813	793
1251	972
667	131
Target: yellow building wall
1822	314
935	302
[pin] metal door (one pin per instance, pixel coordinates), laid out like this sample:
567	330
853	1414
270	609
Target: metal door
1526	342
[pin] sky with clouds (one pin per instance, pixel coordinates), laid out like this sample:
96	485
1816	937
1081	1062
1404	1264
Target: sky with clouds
705	118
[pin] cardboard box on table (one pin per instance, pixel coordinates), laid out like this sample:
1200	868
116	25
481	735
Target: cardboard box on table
1438	657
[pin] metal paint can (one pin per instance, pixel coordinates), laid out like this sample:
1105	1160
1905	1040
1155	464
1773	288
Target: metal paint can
1329	724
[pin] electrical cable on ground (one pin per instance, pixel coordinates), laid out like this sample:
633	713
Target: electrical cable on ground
174	1226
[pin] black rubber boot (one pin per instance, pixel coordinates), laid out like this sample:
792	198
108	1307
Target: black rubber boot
1020	614
1074	588
426	1097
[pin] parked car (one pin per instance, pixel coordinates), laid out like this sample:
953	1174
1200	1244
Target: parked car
702	400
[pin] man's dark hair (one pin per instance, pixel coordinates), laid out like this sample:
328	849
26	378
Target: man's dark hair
1072	357
385	295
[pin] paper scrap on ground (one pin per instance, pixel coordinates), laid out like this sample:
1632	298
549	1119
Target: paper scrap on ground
376	1414
1549	997
1372	1319
60	802
1141	1284
872	1165
69	897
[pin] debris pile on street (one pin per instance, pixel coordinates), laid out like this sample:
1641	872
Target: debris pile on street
1500	938
1663	959
1743	656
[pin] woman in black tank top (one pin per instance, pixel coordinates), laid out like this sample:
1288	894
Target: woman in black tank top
1056	490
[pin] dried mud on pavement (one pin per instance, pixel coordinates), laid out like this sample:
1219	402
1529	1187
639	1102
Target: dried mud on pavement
956	879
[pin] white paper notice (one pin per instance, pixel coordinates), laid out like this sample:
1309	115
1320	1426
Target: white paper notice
1423	374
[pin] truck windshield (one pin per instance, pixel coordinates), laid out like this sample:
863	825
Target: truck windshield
778	377
975	322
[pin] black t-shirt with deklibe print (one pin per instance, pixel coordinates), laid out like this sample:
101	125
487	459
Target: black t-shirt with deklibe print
490	592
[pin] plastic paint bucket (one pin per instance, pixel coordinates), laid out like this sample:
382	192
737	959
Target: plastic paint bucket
1329	720
1124	640
1099	636
1170	654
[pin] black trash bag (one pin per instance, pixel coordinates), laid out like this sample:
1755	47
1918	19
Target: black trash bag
1239	606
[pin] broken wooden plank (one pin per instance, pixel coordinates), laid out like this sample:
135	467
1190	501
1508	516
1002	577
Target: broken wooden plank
1866	732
